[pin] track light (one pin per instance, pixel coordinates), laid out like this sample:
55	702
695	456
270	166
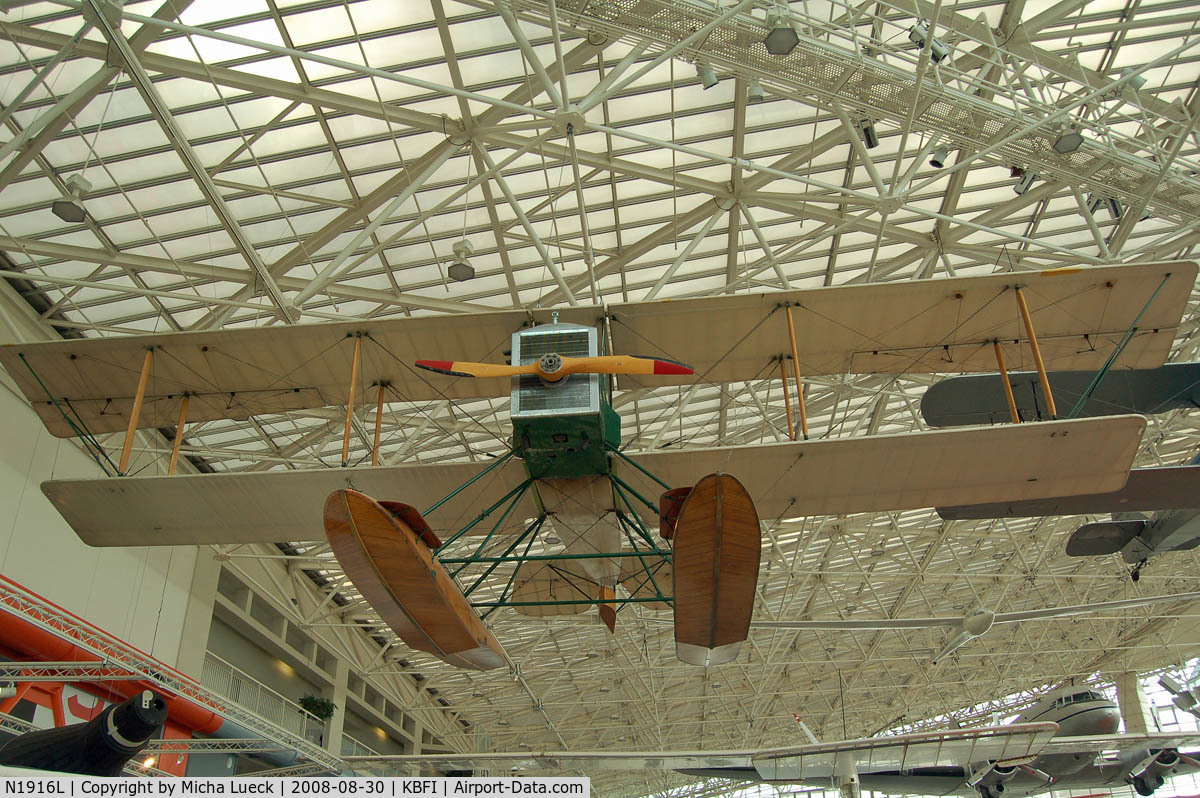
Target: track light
1114	207
1137	82
1093	203
1068	142
919	33
868	132
70	209
1022	185
460	270
754	94
708	78
938	159
782	37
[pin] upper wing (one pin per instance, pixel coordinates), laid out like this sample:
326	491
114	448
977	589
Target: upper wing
900	472
979	398
920	325
923	749
906	326
1147	489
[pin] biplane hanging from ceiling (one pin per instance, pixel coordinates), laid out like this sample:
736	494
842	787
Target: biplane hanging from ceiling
1172	493
565	470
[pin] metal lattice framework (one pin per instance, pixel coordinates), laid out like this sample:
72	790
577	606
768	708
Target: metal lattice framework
271	162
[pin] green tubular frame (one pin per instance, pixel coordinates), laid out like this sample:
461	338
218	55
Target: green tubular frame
645	548
532	529
500	461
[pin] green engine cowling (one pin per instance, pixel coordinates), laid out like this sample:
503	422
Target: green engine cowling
561	447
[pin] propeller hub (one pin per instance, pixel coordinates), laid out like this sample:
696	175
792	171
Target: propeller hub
550	363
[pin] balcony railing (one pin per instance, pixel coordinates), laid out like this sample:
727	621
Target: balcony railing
243	690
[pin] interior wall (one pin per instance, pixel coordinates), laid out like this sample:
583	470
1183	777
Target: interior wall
370	735
137	594
265	668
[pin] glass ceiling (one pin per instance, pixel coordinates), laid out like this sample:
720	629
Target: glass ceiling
260	163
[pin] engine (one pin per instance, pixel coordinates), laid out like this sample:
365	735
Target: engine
1149	774
100	747
991	784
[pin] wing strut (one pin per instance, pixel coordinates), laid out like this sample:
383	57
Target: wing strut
350	400
1008	391
143	378
1037	352
799	384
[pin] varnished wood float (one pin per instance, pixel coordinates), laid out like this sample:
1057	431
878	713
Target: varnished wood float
395	571
715	570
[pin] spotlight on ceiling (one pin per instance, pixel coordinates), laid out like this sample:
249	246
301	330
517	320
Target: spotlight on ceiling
938	159
1068	142
1022	185
918	34
782	37
754	93
869	137
708	78
70	209
1114	207
1093	203
460	270
1137	82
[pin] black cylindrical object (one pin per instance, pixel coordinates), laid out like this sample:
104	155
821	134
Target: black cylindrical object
100	747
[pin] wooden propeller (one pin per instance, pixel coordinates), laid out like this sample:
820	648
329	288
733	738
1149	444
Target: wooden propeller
552	367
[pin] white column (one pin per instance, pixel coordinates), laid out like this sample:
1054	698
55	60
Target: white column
1136	709
333	729
197	618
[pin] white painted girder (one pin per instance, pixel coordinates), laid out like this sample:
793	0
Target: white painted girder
812	570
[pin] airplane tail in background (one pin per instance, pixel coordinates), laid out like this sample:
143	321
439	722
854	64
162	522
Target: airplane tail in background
100	747
1106	537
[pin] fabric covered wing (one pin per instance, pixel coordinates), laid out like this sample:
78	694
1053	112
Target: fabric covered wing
905	326
899	472
1146	490
919	325
264	507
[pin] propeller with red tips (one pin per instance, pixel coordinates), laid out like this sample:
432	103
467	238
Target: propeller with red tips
552	367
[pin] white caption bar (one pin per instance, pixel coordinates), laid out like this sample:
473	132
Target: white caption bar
384	787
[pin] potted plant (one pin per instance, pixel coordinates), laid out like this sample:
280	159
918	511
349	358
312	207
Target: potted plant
321	708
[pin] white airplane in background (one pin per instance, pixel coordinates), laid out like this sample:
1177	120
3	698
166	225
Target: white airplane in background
1066	740
1081	714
